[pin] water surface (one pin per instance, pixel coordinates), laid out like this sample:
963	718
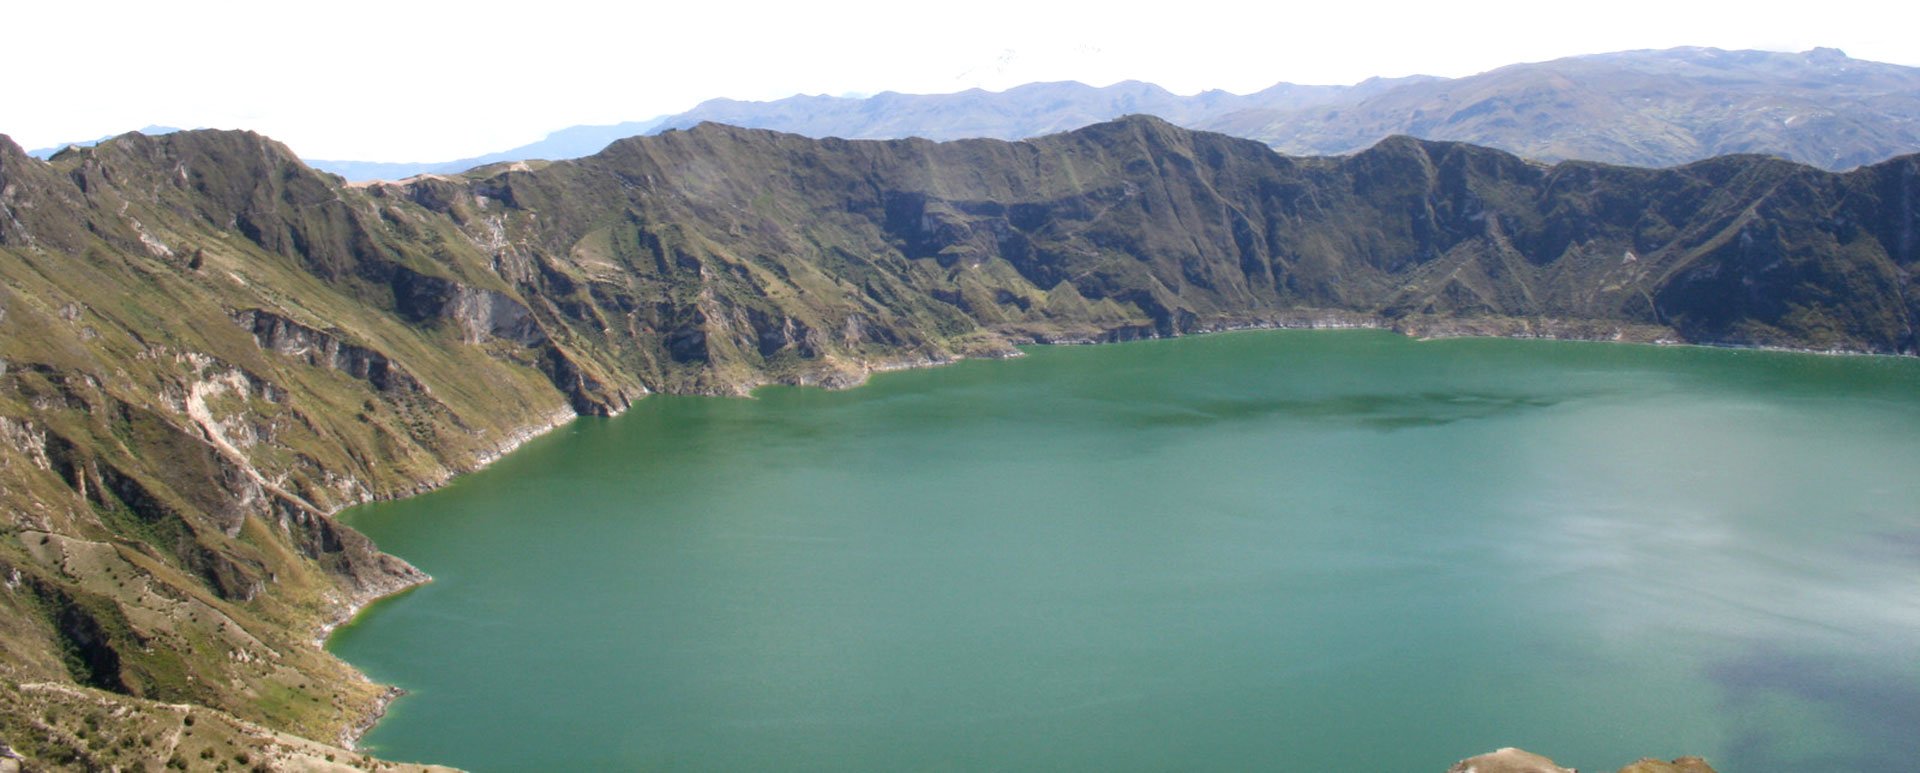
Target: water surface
1274	550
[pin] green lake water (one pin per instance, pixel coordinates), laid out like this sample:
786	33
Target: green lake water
1268	550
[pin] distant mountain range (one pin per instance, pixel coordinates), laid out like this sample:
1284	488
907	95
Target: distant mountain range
1636	108
1025	111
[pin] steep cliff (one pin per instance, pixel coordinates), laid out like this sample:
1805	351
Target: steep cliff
1139	228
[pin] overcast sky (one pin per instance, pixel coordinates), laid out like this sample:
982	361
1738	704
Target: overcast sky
394	80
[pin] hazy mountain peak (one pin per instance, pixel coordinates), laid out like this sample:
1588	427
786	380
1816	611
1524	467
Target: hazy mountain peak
1647	108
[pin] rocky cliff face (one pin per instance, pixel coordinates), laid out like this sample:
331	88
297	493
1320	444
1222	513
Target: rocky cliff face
206	348
1138	225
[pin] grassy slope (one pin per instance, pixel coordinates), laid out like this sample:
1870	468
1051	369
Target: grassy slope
189	559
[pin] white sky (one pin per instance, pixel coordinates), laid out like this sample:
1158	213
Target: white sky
394	80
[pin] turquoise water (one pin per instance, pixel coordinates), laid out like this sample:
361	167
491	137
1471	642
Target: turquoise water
1273	550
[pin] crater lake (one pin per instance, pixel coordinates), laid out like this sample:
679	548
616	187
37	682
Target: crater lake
1293	550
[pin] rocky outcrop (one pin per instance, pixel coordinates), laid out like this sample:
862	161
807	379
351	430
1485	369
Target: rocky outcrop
484	315
480	315
325	349
347	554
1676	765
1511	760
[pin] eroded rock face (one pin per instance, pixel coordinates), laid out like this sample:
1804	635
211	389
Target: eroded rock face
484	315
324	349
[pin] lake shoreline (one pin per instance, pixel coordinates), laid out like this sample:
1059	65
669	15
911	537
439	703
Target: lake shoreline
843	376
350	736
